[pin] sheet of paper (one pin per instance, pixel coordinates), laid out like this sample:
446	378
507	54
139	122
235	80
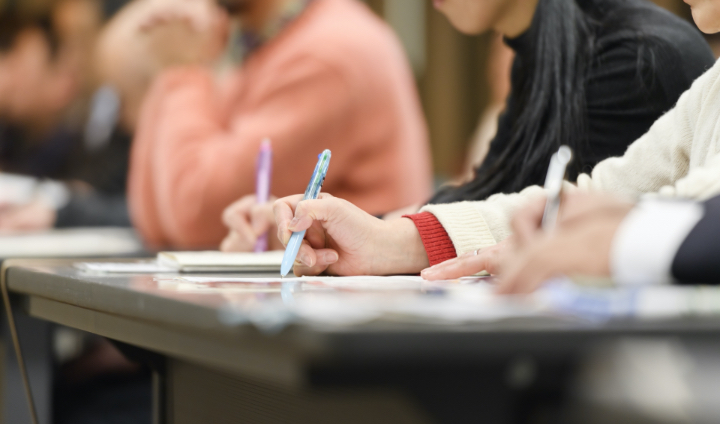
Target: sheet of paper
356	283
148	267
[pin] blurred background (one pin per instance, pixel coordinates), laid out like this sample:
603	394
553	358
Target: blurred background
463	80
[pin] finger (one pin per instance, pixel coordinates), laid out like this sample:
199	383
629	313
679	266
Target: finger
234	242
529	270
527	222
306	256
309	211
227	243
518	279
242	229
306	262
315	236
240	208
284	211
324	259
262	218
467	264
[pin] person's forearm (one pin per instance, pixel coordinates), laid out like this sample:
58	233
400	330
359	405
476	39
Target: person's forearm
402	251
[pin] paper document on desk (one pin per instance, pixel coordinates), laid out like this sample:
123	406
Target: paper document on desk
212	261
401	282
145	267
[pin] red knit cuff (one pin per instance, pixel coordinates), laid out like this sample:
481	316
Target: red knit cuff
437	243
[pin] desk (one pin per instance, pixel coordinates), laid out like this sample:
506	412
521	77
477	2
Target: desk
392	371
38	335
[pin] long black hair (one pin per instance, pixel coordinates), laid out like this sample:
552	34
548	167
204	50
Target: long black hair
549	88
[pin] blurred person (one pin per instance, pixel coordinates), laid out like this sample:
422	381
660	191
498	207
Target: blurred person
132	50
309	75
38	86
593	75
46	80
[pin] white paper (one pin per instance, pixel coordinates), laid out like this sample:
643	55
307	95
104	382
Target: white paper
356	283
124	267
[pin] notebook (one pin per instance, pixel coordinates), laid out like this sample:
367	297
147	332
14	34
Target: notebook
212	261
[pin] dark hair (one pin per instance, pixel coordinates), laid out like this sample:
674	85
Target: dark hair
14	22
549	90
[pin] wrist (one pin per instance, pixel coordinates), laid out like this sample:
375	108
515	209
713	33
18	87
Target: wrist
403	251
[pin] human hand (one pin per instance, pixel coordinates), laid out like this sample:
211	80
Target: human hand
199	15
579	245
34	216
247	221
191	32
489	259
342	239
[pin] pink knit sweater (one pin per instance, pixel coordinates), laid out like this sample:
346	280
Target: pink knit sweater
336	78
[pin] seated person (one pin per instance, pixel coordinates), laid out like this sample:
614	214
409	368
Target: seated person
37	86
677	157
43	85
309	75
593	75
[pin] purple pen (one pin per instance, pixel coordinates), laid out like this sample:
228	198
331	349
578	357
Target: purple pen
262	185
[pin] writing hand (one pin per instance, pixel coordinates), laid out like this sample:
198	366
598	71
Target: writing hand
342	239
248	220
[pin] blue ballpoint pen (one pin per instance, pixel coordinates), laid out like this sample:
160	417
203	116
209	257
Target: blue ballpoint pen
312	192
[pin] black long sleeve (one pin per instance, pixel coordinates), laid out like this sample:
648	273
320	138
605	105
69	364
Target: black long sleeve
698	259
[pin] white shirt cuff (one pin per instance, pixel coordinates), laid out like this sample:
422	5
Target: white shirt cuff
648	239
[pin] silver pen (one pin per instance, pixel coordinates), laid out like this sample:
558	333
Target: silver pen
554	185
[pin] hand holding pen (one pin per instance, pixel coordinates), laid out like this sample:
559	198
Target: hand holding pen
311	193
541	215
251	218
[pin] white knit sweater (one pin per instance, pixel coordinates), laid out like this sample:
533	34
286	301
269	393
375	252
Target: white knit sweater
678	157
